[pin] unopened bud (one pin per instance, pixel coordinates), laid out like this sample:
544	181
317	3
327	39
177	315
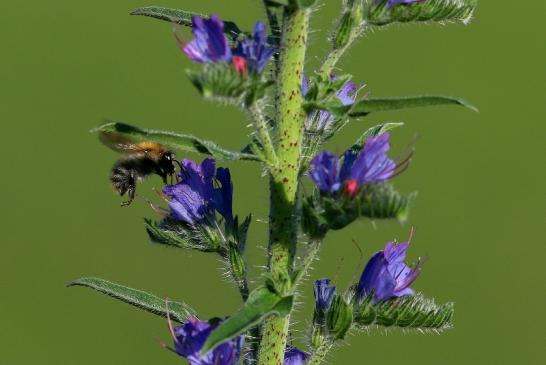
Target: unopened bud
350	188
236	262
349	23
339	318
239	63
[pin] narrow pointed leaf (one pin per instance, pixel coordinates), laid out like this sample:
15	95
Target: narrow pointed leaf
176	141
150	303
379	13
181	17
413	311
365	107
261	303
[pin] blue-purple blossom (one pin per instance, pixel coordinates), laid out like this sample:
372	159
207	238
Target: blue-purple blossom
324	293
294	356
371	165
255	50
391	3
201	190
210	45
386	275
191	336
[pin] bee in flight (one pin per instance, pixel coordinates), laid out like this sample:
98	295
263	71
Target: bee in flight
140	160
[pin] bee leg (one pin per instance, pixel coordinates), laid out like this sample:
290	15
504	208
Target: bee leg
131	194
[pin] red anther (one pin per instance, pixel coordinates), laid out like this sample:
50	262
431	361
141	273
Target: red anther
240	65
350	188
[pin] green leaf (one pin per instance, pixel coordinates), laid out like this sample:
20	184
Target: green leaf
424	11
365	107
176	141
260	304
181	17
413	311
150	303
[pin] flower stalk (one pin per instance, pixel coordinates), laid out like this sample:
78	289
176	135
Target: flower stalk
284	177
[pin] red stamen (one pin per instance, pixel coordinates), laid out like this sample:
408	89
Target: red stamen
350	188
240	65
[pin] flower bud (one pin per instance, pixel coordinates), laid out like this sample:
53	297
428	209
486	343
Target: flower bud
348	24
237	262
339	318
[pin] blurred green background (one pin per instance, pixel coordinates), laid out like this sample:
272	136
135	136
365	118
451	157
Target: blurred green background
479	217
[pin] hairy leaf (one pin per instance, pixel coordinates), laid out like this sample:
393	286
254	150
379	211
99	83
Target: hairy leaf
261	303
181	17
367	106
413	311
176	141
178	311
424	11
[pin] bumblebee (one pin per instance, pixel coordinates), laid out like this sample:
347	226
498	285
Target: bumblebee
140	160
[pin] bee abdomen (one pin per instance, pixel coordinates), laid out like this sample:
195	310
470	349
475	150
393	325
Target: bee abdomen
122	178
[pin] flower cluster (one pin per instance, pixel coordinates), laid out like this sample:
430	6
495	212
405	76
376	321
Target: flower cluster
190	337
210	45
201	191
371	165
386	275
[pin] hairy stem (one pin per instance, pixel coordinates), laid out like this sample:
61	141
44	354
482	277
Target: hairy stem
330	62
283	218
320	353
262	129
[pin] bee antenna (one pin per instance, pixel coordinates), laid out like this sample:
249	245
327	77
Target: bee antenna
169	322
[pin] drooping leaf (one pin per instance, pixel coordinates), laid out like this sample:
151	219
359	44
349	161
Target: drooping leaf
413	311
176	141
372	105
181	17
178	311
423	11
261	303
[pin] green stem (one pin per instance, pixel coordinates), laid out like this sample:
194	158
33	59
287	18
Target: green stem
335	55
283	222
320	353
261	126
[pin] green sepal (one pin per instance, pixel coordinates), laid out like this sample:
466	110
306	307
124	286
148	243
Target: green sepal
413	311
175	141
339	318
175	233
304	4
261	303
222	83
424	11
236	261
181	17
177	311
349	24
372	105
373	201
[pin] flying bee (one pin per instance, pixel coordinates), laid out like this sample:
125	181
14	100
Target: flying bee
140	160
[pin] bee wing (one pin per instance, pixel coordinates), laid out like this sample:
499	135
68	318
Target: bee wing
118	142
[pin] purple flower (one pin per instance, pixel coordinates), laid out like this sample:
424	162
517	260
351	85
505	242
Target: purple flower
199	192
371	165
255	50
210	45
324	293
386	274
191	336
391	3
294	356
